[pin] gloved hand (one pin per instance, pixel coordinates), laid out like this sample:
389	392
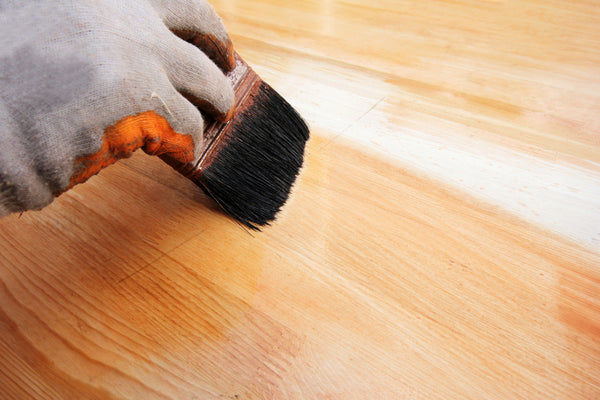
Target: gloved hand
84	83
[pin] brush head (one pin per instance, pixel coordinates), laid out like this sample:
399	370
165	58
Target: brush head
253	169
249	164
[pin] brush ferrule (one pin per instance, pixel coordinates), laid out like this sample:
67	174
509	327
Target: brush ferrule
245	82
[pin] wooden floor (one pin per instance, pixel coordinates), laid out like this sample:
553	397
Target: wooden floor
402	268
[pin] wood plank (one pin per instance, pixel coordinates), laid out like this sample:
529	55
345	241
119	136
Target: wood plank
379	280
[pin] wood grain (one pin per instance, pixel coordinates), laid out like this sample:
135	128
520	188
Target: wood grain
378	281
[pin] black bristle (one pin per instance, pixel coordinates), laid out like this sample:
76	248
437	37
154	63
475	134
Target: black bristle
252	174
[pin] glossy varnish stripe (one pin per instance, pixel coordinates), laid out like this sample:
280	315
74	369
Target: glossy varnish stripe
499	98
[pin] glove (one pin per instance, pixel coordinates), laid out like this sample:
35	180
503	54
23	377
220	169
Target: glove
84	83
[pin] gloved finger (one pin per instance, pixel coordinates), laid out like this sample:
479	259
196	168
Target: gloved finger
183	117
196	22
193	74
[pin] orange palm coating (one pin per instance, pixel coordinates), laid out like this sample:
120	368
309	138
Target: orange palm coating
148	130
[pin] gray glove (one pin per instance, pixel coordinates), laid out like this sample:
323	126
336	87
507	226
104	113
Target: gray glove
84	83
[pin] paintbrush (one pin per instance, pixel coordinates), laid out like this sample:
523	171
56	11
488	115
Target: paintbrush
248	164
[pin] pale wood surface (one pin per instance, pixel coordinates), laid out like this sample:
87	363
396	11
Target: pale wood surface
382	279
